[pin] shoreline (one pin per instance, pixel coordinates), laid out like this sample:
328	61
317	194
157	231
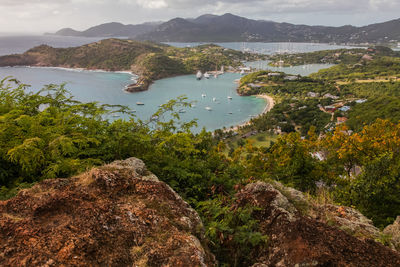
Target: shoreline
270	104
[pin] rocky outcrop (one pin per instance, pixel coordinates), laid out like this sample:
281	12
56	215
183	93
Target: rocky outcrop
342	217
299	240
393	232
115	215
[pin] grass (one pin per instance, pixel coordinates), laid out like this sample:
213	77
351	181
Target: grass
263	139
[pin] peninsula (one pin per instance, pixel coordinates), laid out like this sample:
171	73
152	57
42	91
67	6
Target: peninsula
150	61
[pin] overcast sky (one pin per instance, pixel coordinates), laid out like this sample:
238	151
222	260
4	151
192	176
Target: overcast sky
38	16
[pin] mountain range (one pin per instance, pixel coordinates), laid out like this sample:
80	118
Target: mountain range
232	28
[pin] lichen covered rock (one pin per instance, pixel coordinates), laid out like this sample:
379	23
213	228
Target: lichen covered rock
393	232
115	215
299	240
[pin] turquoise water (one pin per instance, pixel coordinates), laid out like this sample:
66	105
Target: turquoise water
270	48
107	88
303	70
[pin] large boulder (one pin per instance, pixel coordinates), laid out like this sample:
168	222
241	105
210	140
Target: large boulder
296	239
115	215
393	232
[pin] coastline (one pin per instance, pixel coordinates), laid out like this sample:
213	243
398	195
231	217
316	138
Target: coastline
270	104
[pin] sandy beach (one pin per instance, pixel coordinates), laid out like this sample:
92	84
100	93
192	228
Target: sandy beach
270	104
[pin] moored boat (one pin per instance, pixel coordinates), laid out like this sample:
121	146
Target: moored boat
199	75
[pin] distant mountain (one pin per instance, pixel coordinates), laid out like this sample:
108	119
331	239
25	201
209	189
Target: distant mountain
112	29
232	28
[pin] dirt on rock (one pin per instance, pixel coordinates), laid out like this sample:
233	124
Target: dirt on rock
297	240
115	215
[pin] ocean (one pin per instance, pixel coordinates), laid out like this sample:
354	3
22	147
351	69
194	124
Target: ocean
107	87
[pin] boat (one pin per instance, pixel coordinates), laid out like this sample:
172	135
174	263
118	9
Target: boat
229	97
206	75
139	103
208	108
215	76
199	75
230	112
203	95
214	99
242	72
182	111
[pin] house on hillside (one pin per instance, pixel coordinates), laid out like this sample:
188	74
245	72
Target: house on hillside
330	109
291	78
312	94
341	120
345	108
328	95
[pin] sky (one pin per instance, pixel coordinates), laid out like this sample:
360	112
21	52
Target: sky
38	16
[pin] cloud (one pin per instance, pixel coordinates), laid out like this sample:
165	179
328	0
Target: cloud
50	15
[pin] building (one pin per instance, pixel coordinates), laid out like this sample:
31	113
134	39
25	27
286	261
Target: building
360	101
330	96
341	120
291	78
312	94
345	108
330	108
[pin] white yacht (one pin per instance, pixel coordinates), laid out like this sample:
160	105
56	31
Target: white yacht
214	99
206	75
139	103
199	75
203	95
229	97
208	108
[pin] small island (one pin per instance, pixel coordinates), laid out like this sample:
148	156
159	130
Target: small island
150	61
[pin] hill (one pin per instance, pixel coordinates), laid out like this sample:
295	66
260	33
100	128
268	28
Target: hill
148	60
232	28
121	215
112	29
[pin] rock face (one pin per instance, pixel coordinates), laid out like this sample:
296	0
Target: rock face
115	215
393	231
298	240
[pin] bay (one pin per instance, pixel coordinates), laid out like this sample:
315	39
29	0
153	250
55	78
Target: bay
107	87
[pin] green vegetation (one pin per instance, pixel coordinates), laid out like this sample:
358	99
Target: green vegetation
150	60
49	134
380	68
338	56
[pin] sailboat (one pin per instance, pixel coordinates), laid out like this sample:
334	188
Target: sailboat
199	75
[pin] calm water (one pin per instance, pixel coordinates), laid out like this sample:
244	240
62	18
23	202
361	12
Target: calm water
271	48
19	44
303	70
108	87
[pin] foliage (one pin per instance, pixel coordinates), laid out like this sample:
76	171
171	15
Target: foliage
232	231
